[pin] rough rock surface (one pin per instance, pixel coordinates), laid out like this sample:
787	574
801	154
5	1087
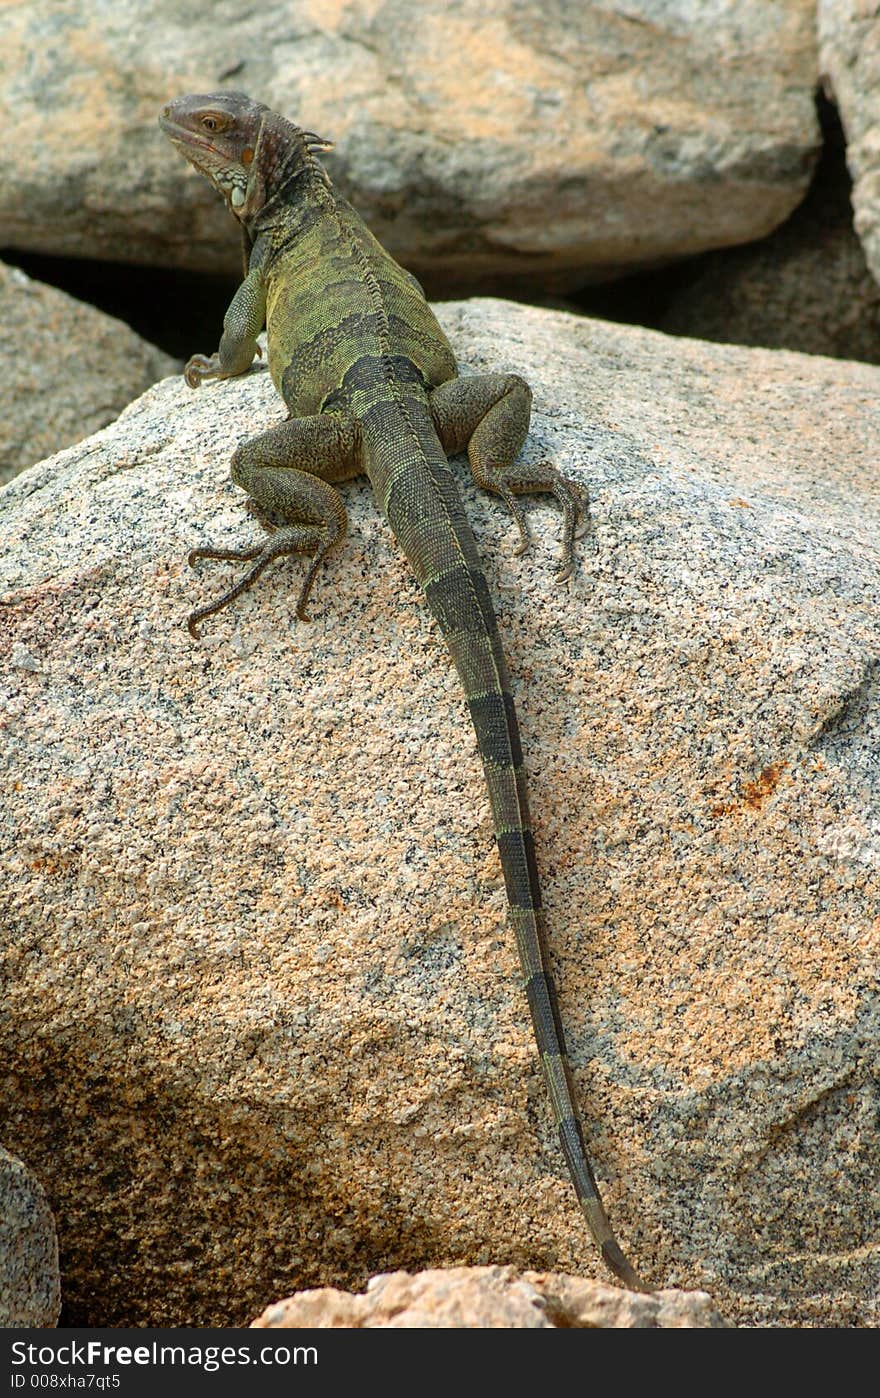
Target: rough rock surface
30	1284
265	1029
806	287
849	34
490	1298
490	138
70	370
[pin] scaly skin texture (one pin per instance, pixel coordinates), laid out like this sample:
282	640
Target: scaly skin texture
370	382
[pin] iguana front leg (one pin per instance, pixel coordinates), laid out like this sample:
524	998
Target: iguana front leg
288	471
241	325
489	414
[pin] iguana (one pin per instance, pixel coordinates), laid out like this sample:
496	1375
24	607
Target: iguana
371	385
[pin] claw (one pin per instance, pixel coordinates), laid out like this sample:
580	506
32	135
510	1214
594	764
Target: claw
199	367
582	523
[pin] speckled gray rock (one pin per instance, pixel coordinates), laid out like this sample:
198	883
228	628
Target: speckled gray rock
69	370
30	1284
497	1298
265	1018
849	33
487	138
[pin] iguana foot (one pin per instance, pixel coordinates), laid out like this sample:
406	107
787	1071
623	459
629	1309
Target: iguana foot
299	539
572	500
200	367
208	366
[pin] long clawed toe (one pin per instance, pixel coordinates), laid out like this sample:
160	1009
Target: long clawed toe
582	513
519	519
282	542
574	503
261	557
307	585
583	523
564	569
224	555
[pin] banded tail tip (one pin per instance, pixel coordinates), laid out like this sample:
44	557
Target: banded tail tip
612	1254
622	1268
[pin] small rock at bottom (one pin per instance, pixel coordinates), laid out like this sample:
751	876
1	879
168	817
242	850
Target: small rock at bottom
30	1283
490	1298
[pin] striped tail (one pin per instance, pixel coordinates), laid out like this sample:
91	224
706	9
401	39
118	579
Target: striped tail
495	723
425	511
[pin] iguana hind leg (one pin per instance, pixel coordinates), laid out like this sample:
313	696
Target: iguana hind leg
489	414
287	471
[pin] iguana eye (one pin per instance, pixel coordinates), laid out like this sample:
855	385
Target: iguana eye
210	123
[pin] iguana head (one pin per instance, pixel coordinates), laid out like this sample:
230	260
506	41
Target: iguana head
248	152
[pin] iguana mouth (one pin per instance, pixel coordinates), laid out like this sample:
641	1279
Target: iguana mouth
181	137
